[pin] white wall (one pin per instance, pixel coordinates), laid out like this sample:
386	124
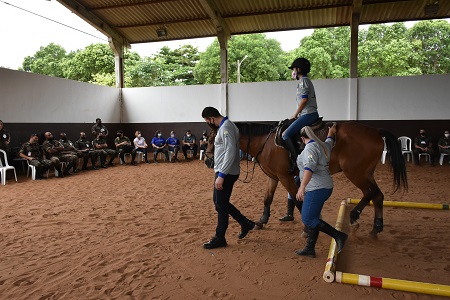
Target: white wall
168	104
34	98
425	97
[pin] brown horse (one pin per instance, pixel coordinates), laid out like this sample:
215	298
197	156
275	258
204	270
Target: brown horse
357	151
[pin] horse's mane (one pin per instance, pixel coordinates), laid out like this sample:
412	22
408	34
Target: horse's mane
255	129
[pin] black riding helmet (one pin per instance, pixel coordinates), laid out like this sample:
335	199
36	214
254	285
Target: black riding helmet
303	64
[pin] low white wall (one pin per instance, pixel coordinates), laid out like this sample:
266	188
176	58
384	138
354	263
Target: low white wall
274	101
34	98
425	97
168	104
27	98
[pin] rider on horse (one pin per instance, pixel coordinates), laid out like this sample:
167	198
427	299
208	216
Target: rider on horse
306	113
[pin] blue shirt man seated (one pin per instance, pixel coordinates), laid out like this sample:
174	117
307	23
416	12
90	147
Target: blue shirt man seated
159	145
174	145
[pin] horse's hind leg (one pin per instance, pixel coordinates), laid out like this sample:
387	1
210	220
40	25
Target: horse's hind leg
268	198
377	200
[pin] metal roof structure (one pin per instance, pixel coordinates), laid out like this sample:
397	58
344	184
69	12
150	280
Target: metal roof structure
143	21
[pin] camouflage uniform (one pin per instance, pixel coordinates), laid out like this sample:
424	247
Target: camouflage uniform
85	150
55	157
99	129
69	154
125	148
104	151
34	150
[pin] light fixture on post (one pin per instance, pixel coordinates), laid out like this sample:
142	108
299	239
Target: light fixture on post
161	31
239	69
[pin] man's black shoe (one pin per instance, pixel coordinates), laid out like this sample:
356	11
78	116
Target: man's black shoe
245	229
94	168
215	243
104	166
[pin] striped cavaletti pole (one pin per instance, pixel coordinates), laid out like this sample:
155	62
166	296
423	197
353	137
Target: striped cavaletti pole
406	204
394	284
330	267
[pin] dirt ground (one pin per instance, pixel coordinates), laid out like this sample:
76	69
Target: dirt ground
136	233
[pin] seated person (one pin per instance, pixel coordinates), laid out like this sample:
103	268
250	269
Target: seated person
31	151
5	140
100	145
86	151
123	145
423	144
140	145
159	145
174	145
204	141
444	143
99	128
69	149
54	151
189	143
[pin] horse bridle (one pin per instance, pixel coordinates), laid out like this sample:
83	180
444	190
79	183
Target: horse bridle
256	157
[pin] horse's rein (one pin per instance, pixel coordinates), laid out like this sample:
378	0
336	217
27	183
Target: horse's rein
256	158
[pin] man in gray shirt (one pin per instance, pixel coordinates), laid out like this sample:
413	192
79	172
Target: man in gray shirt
226	168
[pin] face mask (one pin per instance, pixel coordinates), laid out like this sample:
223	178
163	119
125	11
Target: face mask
139	135
159	134
119	135
188	135
422	133
294	74
172	135
83	137
447	135
64	138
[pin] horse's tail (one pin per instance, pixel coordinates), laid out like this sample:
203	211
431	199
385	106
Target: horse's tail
397	161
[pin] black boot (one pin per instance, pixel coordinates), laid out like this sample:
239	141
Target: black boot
339	236
310	248
293	153
290	212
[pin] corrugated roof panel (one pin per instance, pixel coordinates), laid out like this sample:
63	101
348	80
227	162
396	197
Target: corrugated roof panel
188	19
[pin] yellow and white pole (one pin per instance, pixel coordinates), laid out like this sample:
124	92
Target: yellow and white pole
330	267
406	204
394	284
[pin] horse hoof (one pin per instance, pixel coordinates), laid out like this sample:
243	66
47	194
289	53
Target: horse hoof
259	225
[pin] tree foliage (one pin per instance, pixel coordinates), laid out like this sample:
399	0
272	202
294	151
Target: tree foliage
265	60
48	60
383	50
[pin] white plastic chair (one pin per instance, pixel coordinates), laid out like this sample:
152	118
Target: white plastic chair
441	160
6	167
427	156
406	144
202	152
383	155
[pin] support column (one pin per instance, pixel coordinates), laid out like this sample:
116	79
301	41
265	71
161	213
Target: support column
223	42
118	49
353	82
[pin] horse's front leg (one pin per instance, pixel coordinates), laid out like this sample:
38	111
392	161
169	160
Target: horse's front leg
268	198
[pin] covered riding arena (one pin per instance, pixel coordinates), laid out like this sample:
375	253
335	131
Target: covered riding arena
136	232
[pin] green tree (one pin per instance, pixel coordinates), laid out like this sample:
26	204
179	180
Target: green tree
147	72
328	50
48	60
431	42
386	51
265	60
94	59
179	64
